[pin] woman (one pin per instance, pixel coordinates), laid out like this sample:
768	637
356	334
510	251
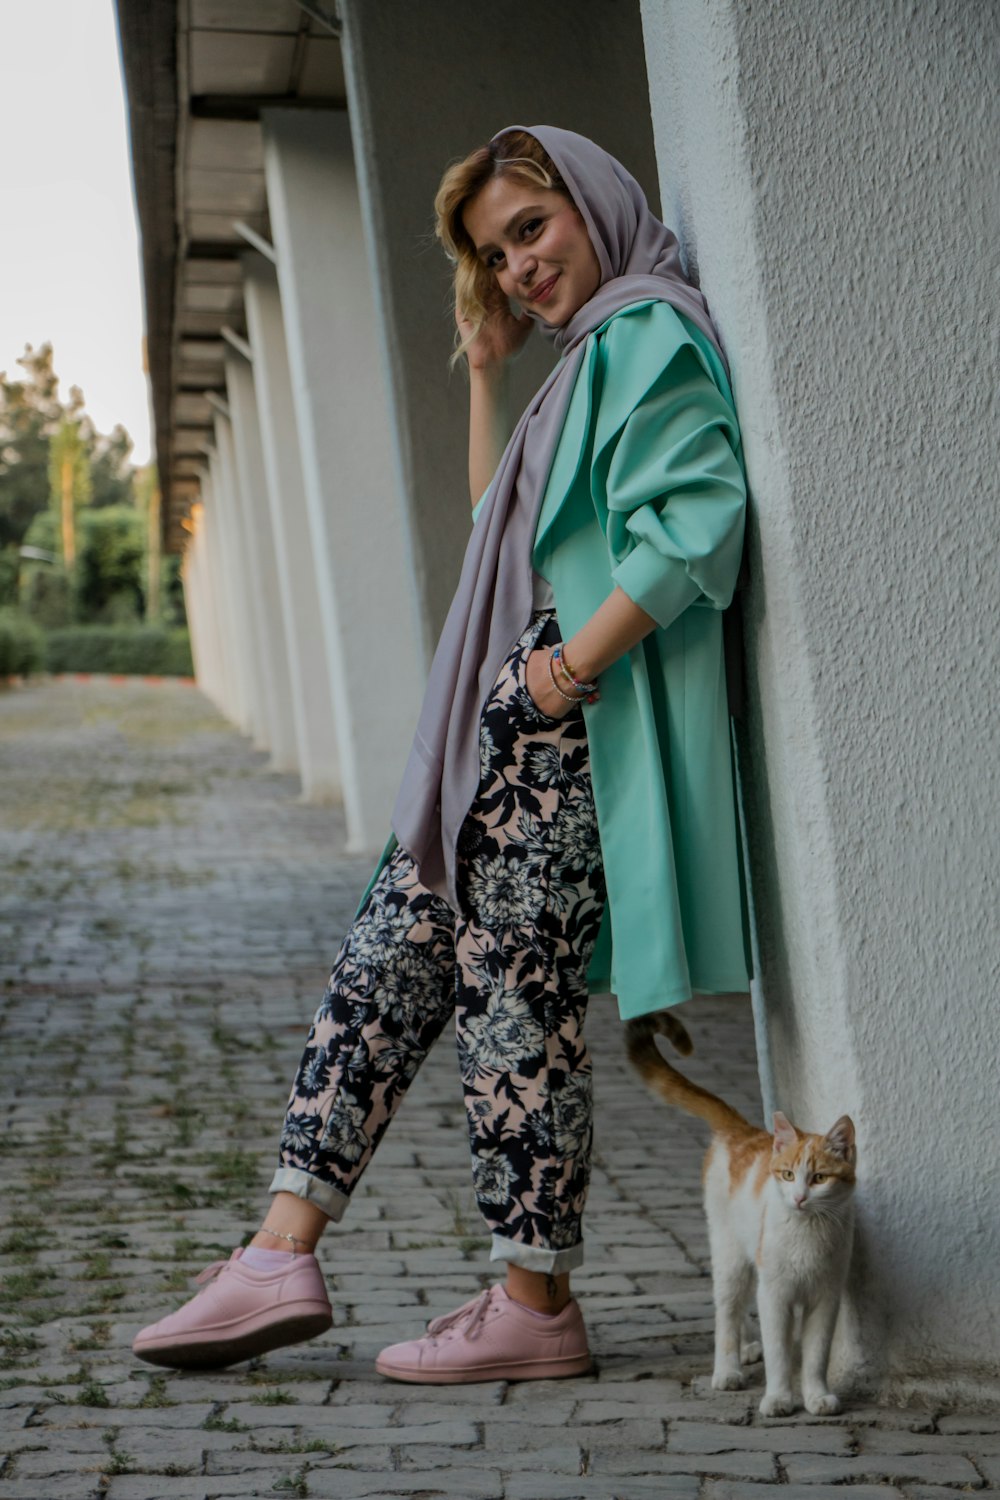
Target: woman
566	817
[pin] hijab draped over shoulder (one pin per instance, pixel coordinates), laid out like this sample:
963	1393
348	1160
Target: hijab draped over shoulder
639	262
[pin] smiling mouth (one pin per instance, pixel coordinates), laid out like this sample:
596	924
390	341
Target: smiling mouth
541	293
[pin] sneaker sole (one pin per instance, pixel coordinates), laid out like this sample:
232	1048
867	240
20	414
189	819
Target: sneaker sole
543	1369
214	1353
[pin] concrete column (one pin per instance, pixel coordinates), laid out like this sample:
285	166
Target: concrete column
355	523
832	172
505	76
192	610
240	583
226	691
308	668
259	539
209	590
196	605
200	599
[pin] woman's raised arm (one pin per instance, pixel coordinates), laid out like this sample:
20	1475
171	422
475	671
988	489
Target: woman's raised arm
490	425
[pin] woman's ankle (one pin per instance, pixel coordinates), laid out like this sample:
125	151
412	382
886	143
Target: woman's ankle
292	1224
538	1290
266	1239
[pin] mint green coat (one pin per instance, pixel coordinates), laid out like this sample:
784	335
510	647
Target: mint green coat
647	491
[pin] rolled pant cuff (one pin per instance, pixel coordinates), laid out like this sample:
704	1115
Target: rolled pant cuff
293	1180
536	1257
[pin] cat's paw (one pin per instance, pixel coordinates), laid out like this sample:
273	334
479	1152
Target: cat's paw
822	1404
751	1354
777	1404
728	1380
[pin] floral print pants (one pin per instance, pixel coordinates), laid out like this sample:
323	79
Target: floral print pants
511	968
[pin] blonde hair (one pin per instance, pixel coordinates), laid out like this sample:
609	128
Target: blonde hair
514	154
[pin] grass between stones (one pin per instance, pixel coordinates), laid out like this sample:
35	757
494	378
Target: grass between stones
293	1484
119	1462
275	1397
16	1344
156	1393
91	1392
216	1422
24	1286
98	1338
290	1445
21	1244
110	1293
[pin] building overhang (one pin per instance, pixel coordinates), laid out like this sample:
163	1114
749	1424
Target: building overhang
198	73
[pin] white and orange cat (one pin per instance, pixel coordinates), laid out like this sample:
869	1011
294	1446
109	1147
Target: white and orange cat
780	1205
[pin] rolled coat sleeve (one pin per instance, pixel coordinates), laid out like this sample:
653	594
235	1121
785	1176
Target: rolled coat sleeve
666	466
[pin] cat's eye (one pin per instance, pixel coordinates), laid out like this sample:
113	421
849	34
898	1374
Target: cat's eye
820	1176
788	1174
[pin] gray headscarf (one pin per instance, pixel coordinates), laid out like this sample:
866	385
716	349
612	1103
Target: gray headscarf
639	262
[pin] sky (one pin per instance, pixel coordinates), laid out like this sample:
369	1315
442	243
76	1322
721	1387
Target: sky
69	256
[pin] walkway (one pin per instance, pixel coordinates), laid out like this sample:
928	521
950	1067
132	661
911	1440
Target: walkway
168	912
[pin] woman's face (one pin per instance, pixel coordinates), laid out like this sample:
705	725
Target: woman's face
535	242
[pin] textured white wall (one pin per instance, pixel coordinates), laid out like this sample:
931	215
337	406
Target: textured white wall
832	171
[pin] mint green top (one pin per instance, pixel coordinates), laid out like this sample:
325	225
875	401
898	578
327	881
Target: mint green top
647	491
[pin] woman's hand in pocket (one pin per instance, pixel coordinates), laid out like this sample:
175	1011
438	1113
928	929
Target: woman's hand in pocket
538	681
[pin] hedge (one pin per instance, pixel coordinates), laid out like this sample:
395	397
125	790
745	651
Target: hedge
139	650
22	645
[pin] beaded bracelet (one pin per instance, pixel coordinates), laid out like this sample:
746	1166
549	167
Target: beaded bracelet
574	698
567	671
587	690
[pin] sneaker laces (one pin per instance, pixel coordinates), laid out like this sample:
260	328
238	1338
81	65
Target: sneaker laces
212	1271
473	1312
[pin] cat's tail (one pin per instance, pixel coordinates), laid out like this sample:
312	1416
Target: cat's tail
666	1081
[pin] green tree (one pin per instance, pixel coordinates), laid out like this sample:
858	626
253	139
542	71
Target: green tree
147	499
112	477
109	581
30	411
69	474
46	587
32	418
9	568
172	594
70	493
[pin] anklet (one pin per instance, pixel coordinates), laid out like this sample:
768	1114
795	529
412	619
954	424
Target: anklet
292	1238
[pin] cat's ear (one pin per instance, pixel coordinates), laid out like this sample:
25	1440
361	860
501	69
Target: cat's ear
840	1140
785	1134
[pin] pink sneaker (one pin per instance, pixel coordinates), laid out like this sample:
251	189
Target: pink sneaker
492	1338
238	1313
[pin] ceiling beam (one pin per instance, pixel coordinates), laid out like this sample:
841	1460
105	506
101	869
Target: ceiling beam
210	250
239	344
256	240
323	14
243	107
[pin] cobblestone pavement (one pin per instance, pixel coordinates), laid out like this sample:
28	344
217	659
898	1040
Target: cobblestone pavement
168	913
